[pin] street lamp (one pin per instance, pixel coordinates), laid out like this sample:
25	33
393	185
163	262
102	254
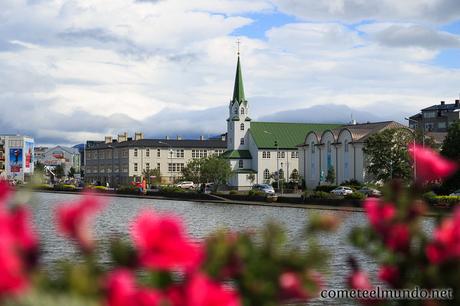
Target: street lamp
277	160
415	151
170	167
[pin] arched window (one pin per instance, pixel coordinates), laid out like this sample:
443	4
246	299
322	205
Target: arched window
346	146
329	149
242	111
242	141
312	145
266	174
242	126
236	111
240	164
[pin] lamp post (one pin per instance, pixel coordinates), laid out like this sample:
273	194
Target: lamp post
277	160
170	168
415	152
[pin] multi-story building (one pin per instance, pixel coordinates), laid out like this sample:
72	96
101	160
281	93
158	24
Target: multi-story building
124	160
60	155
16	157
436	118
341	149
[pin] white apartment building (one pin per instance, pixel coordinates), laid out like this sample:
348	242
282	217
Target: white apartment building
16	157
121	161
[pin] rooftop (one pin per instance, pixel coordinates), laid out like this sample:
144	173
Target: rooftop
163	143
288	135
450	107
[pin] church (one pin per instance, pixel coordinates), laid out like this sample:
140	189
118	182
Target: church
260	151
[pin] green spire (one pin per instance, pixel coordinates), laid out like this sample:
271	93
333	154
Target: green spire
238	90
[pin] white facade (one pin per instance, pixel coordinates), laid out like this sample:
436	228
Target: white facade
16	157
60	155
341	149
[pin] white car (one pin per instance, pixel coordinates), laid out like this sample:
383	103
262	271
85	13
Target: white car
185	185
342	191
456	193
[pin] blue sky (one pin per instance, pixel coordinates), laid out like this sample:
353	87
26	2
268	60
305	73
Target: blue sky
80	70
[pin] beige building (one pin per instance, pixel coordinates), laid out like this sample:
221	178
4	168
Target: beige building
123	160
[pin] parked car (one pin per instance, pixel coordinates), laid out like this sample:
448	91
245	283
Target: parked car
185	185
342	191
265	188
370	192
455	193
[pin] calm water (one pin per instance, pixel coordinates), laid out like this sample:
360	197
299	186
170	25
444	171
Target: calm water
202	219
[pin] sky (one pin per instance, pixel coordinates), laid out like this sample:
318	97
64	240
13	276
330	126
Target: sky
76	70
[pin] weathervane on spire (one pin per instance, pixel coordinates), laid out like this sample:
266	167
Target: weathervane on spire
238	42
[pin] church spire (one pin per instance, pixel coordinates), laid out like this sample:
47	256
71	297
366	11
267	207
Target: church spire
238	90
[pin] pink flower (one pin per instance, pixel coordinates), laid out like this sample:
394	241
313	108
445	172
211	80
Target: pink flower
430	166
22	230
162	244
123	291
4	191
202	291
73	220
292	287
379	213
359	280
398	237
446	242
389	274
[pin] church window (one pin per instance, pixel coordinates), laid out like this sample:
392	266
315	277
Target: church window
240	164
242	111
346	146
312	145
266	154
242	141
242	126
266	174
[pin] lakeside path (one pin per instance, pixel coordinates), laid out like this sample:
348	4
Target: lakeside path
219	200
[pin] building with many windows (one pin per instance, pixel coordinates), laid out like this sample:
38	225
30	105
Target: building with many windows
67	157
124	160
340	148
259	151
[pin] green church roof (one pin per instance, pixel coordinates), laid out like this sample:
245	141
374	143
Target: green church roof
237	154
238	90
288	135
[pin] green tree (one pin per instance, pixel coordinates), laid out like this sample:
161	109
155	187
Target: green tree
330	177
451	150
212	169
39	167
251	177
152	176
71	172
295	176
387	155
59	171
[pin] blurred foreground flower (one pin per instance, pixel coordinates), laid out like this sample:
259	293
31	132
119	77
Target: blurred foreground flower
73	220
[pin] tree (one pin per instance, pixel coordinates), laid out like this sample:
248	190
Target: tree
59	171
71	172
330	177
295	176
39	167
387	156
451	150
251	178
152	176
212	169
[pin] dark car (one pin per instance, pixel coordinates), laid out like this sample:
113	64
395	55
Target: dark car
370	192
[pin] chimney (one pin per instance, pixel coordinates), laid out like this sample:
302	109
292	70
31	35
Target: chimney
122	137
108	139
138	136
443	102
201	137
178	137
457	103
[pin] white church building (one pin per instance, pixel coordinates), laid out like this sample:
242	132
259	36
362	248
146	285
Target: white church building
257	151
340	148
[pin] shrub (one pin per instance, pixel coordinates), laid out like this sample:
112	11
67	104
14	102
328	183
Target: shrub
429	196
171	188
129	189
318	195
445	200
355	196
253	193
64	187
41	186
326	188
354	184
233	192
99	188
